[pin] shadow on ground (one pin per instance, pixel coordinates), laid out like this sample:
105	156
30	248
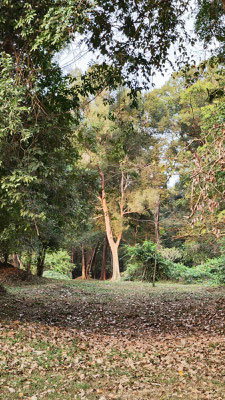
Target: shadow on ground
125	309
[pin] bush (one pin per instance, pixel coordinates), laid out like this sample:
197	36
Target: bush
134	272
141	260
213	271
177	271
216	267
59	262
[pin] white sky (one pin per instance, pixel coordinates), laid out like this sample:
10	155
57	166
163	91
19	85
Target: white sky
77	56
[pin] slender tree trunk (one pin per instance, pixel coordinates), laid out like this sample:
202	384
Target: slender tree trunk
2	290
135	234
91	260
28	265
73	256
6	257
104	259
144	273
113	245
84	264
116	267
156	239
19	261
16	261
41	261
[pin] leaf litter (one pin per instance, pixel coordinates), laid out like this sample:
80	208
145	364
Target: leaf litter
99	340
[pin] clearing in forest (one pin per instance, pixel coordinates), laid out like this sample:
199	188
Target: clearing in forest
103	340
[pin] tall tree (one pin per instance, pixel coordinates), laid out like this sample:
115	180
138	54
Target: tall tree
120	145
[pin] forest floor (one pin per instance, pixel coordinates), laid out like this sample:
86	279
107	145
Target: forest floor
103	340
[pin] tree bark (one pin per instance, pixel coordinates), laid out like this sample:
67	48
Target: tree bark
84	264
6	257
19	261
156	239
91	260
41	261
116	267
104	259
73	256
113	245
2	290
16	261
28	265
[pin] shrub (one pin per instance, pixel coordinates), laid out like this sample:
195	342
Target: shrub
216	267
141	260
134	272
59	262
213	271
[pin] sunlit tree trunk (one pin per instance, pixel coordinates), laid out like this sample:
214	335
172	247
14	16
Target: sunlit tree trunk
104	259
116	267
19	261
16	261
84	264
112	243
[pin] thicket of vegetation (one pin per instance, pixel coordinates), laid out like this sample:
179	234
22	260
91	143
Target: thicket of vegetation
106	178
86	159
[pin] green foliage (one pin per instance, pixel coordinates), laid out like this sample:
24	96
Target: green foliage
59	262
42	191
182	273
140	22
141	260
173	254
133	272
209	23
216	267
55	275
213	271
